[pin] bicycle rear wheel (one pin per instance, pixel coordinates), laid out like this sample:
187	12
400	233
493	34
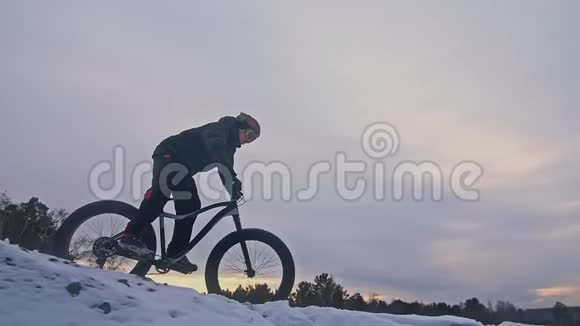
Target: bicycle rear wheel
97	221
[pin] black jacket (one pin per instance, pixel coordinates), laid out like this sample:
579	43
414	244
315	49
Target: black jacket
198	148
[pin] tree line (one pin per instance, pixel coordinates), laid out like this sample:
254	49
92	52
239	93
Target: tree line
324	291
29	224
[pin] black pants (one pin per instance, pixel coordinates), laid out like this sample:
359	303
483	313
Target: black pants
170	178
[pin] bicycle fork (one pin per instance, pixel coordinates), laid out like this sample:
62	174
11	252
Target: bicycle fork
249	270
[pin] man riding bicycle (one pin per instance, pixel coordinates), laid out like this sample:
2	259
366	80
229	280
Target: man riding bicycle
175	160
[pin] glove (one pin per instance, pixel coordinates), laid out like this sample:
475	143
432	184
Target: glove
236	188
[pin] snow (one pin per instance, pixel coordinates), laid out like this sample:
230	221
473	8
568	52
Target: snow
33	291
509	323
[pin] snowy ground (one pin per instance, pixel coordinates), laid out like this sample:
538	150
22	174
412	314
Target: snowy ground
37	289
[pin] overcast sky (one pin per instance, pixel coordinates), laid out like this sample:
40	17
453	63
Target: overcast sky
495	82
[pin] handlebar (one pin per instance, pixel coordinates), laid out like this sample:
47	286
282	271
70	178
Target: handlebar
239	198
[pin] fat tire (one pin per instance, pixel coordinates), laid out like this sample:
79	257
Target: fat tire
64	234
232	239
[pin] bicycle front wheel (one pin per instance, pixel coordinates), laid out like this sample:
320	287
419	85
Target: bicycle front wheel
272	263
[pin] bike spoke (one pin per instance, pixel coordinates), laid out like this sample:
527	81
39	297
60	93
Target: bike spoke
84	237
264	261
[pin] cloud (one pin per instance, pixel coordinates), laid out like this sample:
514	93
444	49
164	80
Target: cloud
558	291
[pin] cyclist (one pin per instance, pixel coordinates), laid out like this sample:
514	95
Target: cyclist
175	160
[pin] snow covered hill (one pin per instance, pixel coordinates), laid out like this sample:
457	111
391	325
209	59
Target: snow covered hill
37	289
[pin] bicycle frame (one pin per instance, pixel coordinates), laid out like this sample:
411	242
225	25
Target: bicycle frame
230	208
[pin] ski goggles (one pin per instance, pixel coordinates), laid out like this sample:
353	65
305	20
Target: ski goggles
251	135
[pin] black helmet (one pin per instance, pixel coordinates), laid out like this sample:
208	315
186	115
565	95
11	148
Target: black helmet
248	122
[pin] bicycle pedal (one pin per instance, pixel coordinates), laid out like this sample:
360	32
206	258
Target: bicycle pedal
184	269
